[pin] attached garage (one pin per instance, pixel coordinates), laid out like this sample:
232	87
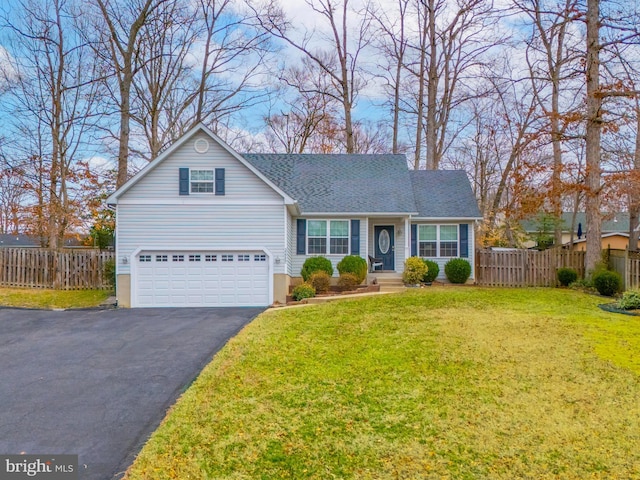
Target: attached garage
200	278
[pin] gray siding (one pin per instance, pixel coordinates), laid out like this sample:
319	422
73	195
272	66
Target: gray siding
179	226
298	260
251	214
441	261
162	182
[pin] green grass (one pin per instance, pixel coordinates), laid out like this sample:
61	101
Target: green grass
41	298
460	383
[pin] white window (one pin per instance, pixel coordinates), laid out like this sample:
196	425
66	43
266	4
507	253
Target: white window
178	258
210	258
328	237
244	258
145	258
428	240
227	258
448	240
161	258
194	258
438	240
260	258
201	181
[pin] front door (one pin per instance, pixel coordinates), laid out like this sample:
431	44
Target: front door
384	246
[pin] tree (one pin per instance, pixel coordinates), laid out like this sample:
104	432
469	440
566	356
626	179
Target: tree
552	58
51	103
393	43
340	61
118	44
450	44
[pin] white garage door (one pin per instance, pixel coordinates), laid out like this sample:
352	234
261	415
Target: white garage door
201	279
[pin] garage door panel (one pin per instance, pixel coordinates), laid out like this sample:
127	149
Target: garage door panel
205	278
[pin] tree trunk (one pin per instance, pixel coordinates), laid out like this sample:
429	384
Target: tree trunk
593	132
432	92
634	201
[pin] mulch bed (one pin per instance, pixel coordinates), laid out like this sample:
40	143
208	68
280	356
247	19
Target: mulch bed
611	307
336	291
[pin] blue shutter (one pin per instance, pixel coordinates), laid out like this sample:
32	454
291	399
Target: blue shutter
414	240
355	237
183	181
219	181
301	237
464	240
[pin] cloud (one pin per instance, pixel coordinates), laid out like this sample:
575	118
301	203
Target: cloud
8	72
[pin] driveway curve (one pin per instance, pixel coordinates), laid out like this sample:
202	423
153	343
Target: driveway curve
96	383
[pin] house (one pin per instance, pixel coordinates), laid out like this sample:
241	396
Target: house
202	225
18	241
615	230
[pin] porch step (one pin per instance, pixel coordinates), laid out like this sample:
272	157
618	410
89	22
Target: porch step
390	283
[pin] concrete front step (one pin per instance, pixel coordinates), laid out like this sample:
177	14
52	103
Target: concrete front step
393	284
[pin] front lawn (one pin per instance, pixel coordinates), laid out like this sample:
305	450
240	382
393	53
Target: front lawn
45	298
436	383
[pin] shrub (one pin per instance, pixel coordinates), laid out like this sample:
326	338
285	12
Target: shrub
457	270
348	281
314	264
433	269
607	283
566	276
109	272
630	300
414	270
321	281
354	264
302	291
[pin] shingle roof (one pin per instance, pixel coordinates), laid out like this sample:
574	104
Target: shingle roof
10	240
612	222
341	183
368	184
444	194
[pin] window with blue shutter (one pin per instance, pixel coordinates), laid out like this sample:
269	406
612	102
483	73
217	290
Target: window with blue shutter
219	181
355	237
301	236
183	181
464	240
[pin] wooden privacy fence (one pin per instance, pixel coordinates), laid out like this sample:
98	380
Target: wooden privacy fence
627	264
524	268
62	270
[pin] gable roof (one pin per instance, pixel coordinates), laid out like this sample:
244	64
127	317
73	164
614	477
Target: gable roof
182	140
444	194
341	183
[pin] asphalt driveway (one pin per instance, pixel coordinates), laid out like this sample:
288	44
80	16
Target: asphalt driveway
96	383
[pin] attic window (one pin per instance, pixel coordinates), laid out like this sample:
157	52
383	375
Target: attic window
201	181
201	145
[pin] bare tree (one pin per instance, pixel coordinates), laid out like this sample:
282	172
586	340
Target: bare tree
552	58
340	62
52	99
448	50
161	89
393	43
118	27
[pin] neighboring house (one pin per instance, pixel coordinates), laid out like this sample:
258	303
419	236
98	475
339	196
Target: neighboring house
615	230
18	241
202	225
27	241
614	240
